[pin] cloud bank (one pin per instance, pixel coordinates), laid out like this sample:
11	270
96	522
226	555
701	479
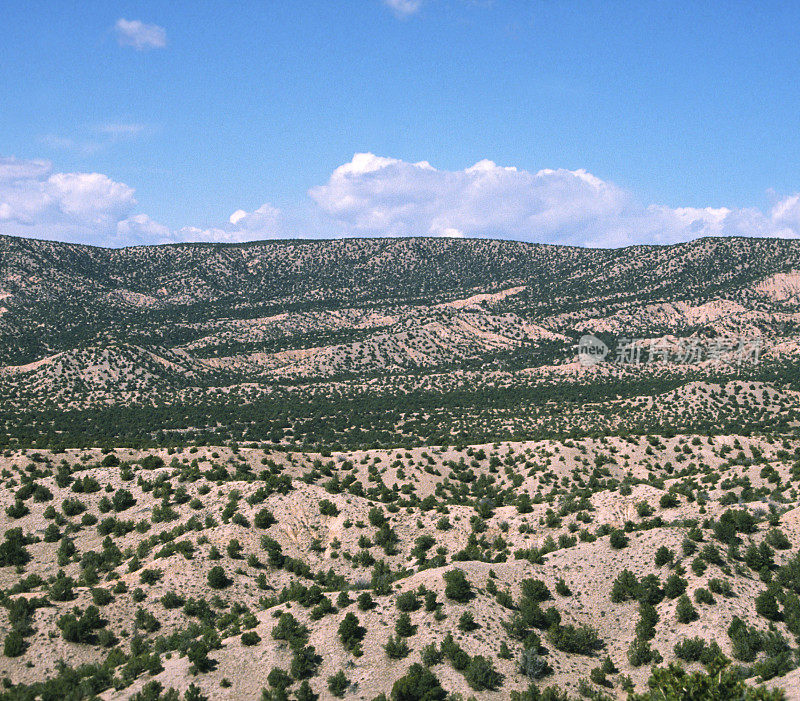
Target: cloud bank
372	195
34	201
378	196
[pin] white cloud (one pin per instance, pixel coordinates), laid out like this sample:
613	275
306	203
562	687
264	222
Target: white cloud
15	169
263	218
237	216
92	208
378	196
140	229
786	215
404	8
452	234
76	206
140	36
373	195
263	223
90	196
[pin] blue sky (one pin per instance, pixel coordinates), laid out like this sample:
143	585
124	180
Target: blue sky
599	123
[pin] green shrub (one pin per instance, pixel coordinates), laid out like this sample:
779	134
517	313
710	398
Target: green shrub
217	579
305	661
72	506
101	597
151	462
418	684
648	618
14	644
703	596
481	674
535	589
403	626
171	600
579	640
150	576
690	649
407	601
457	586
453	652
674	586
618	539
720	586
264	519
562	589
17	509
467	622
52	534
197	654
532	664
663	556
328	508
640	653
365	601
668	501
61	588
146	621
431	655
351	633
396	647
250	638
79	627
338	684
122	500
767	606
598	676
685	612
625	587
716	684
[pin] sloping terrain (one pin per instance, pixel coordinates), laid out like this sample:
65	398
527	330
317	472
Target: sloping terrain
584	555
386	469
252	341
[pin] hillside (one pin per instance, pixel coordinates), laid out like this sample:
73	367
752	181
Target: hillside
387	469
556	542
229	331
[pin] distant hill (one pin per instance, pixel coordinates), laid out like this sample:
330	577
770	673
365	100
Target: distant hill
202	323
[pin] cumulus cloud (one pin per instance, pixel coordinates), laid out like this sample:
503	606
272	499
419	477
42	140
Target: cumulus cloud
140	230
92	208
34	201
140	36
89	196
265	219
374	195
404	8
266	222
786	214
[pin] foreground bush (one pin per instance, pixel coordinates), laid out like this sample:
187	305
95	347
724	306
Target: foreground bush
718	683
419	684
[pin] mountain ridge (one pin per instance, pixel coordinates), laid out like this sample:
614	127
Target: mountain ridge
403	317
